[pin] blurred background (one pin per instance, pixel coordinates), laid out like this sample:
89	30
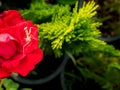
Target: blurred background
108	13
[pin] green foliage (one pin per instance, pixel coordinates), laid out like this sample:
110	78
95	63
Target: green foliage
61	29
70	2
114	5
9	84
68	28
26	89
39	11
104	68
64	29
109	14
1	88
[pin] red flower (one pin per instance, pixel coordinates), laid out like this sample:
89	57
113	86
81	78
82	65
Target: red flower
19	51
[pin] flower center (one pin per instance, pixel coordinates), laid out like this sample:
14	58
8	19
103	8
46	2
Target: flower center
7	46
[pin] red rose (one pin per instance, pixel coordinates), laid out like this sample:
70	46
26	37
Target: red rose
19	51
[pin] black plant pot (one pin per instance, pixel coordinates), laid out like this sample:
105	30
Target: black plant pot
54	78
50	75
115	41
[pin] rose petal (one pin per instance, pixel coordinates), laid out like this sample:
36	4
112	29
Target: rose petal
4	73
25	34
29	62
7	50
13	62
12	17
7	45
13	31
5	37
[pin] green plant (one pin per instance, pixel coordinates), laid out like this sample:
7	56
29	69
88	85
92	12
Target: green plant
39	11
68	28
77	32
9	84
70	2
109	14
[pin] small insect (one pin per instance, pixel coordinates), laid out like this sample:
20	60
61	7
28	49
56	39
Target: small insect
28	34
28	37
